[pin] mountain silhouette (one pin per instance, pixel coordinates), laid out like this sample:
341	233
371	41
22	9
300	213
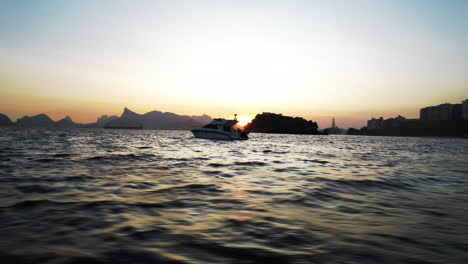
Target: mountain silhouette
66	122
40	120
203	119
5	120
105	119
157	120
128	119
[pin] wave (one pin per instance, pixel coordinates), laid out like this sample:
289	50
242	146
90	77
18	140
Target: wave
359	184
37	188
193	188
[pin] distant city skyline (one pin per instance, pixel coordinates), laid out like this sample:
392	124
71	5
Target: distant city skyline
351	60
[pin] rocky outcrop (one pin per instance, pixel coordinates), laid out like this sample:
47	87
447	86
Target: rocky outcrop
277	123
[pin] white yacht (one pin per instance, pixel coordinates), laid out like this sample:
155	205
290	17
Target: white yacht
220	128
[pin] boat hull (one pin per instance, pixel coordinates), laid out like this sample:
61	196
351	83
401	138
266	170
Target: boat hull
216	134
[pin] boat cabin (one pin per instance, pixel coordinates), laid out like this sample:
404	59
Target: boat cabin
221	124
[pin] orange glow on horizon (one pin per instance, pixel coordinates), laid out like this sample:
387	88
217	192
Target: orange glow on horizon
243	120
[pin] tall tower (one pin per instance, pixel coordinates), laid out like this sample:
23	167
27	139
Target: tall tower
333	124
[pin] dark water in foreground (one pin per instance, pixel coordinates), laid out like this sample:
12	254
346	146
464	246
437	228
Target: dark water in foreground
138	196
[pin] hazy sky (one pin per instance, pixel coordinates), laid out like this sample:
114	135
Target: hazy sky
316	59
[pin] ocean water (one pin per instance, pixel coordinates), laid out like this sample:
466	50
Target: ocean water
143	196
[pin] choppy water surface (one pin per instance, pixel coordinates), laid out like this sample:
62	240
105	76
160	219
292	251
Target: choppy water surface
139	196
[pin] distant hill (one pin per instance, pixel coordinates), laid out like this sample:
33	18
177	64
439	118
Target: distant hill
103	120
128	119
5	120
157	120
203	119
277	123
42	120
66	122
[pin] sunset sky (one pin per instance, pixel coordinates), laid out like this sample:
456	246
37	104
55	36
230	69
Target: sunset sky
317	59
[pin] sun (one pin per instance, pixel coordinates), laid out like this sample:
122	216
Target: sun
243	120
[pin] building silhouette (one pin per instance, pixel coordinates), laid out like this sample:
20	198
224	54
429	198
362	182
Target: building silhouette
441	112
334	129
375	123
440	120
464	111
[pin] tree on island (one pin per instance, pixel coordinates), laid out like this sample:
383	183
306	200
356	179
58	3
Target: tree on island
355	131
277	123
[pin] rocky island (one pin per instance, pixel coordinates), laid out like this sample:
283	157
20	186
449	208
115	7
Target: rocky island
277	123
